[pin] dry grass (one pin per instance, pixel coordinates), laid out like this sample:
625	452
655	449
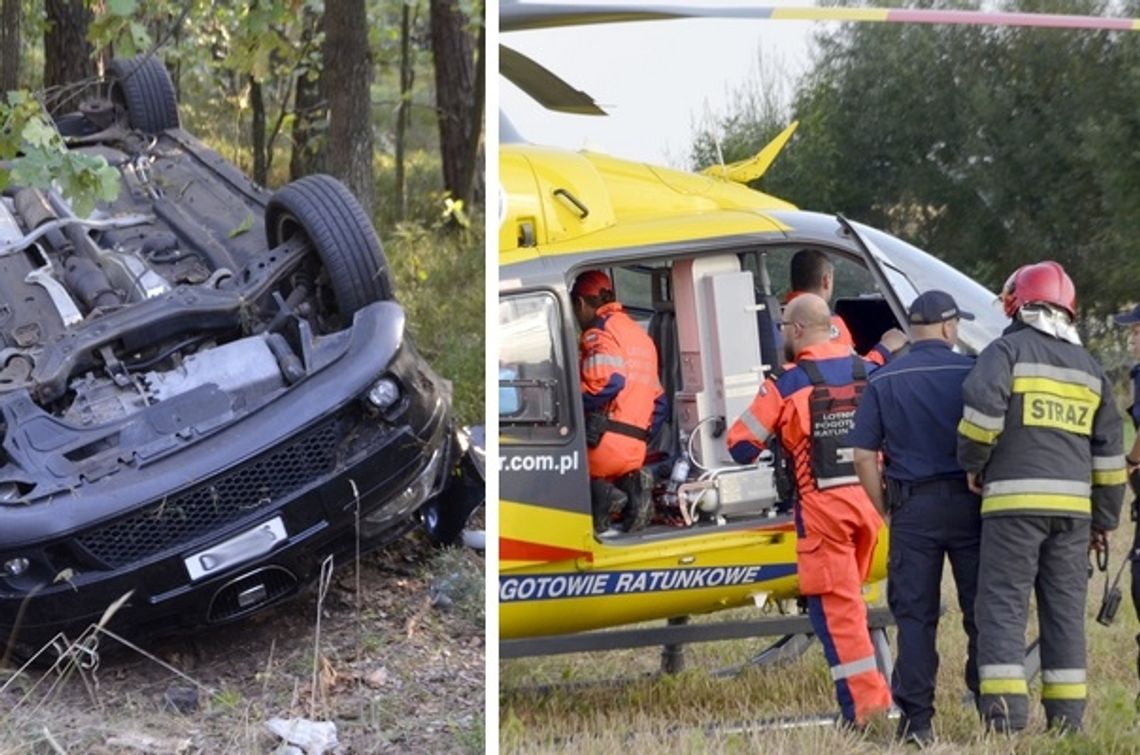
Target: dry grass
696	712
395	673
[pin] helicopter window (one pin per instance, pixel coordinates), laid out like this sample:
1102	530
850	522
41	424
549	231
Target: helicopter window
639	289
855	297
532	391
851	277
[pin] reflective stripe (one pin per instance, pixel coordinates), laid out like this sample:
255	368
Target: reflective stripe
1036	502
1064	676
861	666
1003	687
1114	477
824	483
754	426
984	421
1064	691
977	434
1062	374
1002	679
1108	462
1001	671
603	360
1056	388
1109	470
1038	485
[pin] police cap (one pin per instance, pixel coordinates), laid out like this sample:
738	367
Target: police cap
934	307
1128	318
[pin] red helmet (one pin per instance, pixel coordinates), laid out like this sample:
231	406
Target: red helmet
1042	282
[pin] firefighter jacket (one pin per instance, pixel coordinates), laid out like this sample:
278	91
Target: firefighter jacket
783	407
618	366
1041	428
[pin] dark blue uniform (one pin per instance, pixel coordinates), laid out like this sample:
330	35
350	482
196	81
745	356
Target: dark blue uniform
910	410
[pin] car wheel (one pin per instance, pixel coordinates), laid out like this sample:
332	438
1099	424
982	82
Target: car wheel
143	87
326	212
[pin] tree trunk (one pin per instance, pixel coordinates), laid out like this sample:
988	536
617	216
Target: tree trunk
455	83
11	12
474	177
307	155
257	104
67	54
407	77
348	75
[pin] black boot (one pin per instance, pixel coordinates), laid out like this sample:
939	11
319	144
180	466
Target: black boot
638	512
607	501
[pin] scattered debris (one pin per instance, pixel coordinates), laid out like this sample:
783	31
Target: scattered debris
441	590
313	737
180	699
475	539
133	740
376	678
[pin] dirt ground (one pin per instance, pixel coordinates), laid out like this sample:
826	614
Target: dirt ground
402	671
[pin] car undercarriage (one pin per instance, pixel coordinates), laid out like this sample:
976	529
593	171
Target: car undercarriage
205	388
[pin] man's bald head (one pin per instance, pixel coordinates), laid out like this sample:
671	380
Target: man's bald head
807	321
808	310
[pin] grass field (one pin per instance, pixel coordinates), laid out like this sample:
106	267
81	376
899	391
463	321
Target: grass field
678	714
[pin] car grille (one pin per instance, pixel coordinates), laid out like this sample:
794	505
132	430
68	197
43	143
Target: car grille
257	484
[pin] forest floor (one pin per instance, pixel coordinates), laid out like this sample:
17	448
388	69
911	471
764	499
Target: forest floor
397	667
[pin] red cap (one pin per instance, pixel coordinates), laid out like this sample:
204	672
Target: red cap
591	283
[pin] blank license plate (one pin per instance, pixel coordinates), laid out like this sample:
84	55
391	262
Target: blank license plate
238	549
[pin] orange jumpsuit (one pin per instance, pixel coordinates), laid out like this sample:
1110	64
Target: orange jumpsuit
618	366
837	527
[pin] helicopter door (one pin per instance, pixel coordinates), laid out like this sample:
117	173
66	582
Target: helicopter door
542	452
721	365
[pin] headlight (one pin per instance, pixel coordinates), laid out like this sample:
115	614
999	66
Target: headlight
14	567
384	394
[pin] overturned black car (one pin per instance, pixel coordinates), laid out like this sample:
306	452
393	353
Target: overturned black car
205	389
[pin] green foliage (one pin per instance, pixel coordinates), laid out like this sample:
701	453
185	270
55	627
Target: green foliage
440	282
228	698
242	227
117	26
989	147
41	157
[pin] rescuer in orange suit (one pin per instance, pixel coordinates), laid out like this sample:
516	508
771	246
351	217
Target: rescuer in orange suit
624	401
811	272
811	406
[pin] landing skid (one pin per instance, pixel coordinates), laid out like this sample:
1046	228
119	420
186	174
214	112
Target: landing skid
676	633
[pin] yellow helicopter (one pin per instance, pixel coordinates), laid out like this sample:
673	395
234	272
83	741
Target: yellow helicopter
701	261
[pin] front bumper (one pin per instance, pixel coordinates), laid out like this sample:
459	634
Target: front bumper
340	465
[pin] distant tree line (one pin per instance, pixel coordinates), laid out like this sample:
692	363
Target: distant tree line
989	147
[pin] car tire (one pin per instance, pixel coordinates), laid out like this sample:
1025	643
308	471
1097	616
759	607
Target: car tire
143	86
326	212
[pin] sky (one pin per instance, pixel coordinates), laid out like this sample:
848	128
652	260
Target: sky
659	81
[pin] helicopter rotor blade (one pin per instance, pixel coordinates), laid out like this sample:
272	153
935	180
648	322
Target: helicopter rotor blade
545	87
523	16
